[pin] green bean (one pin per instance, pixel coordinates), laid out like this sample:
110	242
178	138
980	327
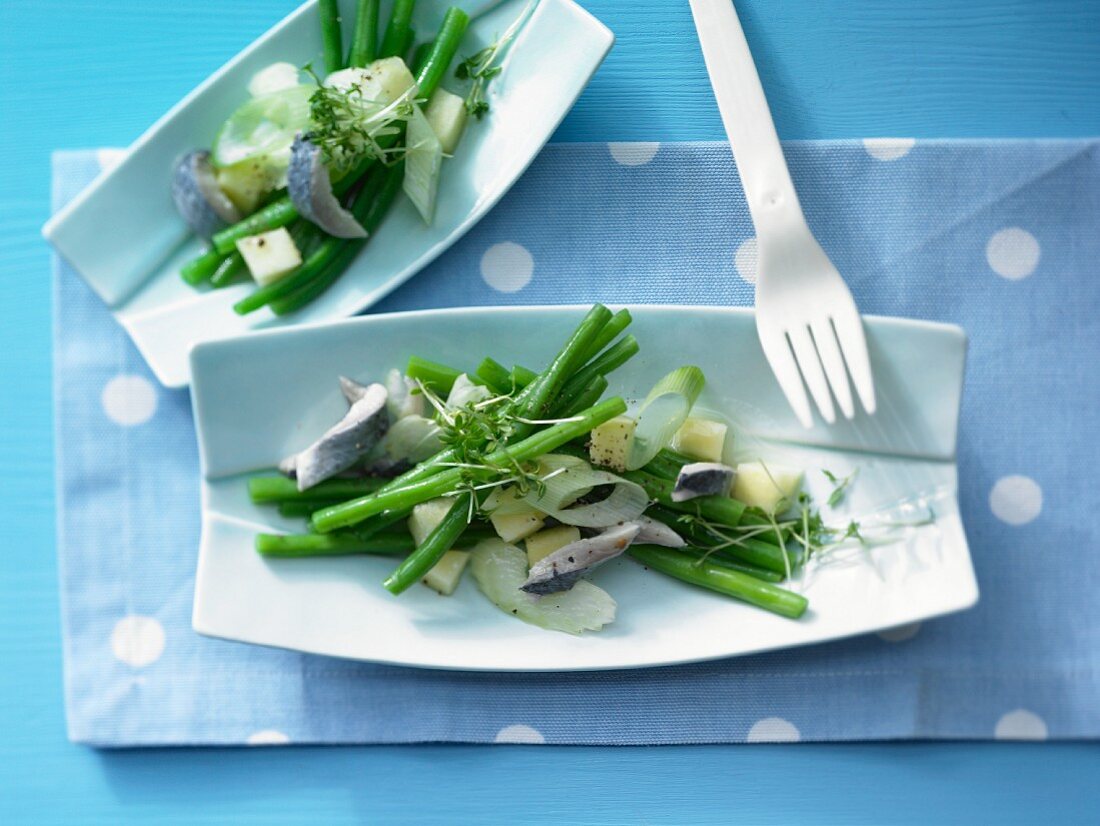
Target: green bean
393	520
718	558
495	375
536	398
420	56
277	214
443	51
611	359
229	271
364	42
438	377
587	397
517	378
522	376
720	509
397	29
264	489
406	52
721	579
201	268
331	544
331	41
316	262
445	481
752	549
438	542
377	208
667	463
304	507
619	322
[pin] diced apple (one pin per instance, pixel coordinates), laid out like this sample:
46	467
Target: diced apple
546	541
269	255
512	527
248	182
445	574
446	114
382	81
609	443
427	515
701	439
511	517
765	485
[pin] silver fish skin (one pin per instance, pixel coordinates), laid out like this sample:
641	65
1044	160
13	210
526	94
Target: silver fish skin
289	465
702	479
652	532
560	570
347	442
353	391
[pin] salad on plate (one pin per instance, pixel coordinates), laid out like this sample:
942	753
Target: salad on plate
531	480
303	173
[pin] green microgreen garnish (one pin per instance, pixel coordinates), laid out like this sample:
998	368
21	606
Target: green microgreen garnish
476	429
486	64
349	127
840	486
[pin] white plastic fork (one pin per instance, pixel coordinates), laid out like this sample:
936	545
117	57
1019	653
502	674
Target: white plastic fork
808	324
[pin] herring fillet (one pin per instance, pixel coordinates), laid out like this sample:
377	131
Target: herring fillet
348	441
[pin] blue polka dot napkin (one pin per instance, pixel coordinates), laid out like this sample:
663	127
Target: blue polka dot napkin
1002	237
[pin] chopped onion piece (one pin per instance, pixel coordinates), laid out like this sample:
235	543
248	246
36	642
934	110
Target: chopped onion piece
567	478
500	569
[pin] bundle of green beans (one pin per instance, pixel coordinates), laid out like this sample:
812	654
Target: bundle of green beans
368	515
368	190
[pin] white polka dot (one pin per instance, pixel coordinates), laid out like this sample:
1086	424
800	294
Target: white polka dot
634	153
1013	253
1021	724
900	633
519	733
109	158
1016	499
267	737
745	260
507	267
888	149
137	640
773	730
129	400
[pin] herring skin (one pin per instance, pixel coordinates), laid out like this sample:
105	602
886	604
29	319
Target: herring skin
347	442
702	479
197	197
310	189
560	570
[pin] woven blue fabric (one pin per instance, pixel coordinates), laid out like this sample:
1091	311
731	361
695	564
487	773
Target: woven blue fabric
1002	237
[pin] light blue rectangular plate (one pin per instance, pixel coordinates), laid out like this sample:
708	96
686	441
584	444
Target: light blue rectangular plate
124	237
261	397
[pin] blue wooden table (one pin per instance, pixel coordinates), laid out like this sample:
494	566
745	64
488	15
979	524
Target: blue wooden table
80	73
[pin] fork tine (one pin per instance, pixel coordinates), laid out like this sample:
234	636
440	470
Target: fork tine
778	353
833	362
806	355
853	343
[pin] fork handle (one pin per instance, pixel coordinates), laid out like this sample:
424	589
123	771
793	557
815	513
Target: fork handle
769	191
